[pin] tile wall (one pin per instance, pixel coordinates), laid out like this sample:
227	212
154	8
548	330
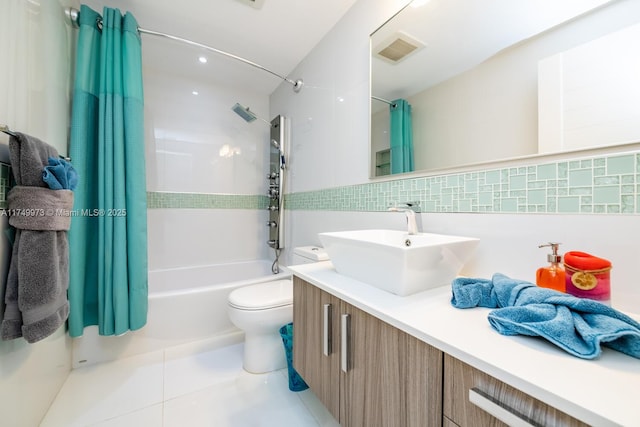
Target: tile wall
159	200
590	185
609	184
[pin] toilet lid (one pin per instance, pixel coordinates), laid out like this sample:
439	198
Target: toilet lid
263	295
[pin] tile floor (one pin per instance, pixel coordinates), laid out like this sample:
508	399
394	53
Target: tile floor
182	386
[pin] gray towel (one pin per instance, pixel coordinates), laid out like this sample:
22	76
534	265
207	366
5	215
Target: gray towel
36	208
36	291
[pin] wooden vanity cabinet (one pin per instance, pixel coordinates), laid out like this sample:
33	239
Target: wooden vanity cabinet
393	378
511	405
365	371
317	369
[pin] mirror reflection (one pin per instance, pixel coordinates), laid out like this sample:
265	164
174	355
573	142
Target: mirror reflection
487	80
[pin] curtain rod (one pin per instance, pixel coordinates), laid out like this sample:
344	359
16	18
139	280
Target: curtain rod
74	14
393	104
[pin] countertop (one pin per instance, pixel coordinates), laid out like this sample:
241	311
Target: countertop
601	392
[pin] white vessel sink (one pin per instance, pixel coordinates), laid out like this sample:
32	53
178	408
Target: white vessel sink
395	261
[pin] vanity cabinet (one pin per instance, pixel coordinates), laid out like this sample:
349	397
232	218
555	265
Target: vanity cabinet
471	396
365	371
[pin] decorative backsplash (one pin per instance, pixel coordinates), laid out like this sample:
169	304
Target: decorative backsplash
604	184
609	184
159	200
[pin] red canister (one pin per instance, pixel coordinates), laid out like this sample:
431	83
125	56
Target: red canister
587	276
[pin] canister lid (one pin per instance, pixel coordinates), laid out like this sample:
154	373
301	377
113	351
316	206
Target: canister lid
263	295
314	253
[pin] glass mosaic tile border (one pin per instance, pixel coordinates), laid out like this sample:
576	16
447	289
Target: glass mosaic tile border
604	184
167	200
600	185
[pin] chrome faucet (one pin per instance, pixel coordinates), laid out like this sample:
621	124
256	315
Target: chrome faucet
410	211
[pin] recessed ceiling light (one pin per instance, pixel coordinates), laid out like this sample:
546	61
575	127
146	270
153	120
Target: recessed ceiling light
195	92
202	59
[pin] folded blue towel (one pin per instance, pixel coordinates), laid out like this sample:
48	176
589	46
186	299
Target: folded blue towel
578	326
60	174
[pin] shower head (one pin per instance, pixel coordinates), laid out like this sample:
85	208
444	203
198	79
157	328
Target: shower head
245	113
275	144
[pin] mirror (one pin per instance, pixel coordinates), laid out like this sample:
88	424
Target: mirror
487	79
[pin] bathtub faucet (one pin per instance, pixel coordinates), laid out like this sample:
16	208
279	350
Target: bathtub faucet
410	211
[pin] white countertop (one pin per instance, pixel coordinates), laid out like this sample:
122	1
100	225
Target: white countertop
601	392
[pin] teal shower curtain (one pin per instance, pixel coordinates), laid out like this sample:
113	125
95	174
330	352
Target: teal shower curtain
108	236
401	137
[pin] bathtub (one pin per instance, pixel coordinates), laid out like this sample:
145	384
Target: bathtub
185	305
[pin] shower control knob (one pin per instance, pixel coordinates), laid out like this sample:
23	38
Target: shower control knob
272	208
272	224
273	193
272	175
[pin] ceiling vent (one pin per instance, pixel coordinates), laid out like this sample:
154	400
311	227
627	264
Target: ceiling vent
256	4
397	47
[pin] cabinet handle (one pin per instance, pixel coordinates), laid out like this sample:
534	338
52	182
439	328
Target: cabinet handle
345	340
497	409
326	330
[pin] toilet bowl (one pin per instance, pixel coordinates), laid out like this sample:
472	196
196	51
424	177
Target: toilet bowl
260	310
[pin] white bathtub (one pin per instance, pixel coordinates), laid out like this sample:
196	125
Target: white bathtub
185	305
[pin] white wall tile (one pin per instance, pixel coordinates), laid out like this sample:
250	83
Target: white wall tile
196	143
190	237
330	116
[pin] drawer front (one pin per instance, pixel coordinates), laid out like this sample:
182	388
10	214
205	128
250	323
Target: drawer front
471	397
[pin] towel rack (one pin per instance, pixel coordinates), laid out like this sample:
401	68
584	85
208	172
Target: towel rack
5	129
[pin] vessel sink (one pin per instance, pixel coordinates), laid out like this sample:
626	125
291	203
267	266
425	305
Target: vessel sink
395	261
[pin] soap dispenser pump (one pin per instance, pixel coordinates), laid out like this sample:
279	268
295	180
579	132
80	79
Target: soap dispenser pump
552	276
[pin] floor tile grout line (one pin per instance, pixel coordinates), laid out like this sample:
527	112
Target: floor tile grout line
166	359
114	417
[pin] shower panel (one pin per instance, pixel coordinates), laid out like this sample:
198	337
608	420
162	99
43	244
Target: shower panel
276	178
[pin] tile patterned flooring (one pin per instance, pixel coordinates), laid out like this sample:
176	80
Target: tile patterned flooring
182	386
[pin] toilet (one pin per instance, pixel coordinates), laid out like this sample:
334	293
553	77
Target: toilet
260	310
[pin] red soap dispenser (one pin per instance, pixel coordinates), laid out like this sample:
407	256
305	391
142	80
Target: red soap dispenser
552	276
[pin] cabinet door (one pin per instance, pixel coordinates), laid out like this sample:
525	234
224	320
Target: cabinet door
372	386
392	379
319	371
423	370
460	378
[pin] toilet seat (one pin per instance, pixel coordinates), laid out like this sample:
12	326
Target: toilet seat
263	296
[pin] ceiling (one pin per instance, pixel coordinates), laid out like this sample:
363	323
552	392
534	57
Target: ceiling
458	35
278	36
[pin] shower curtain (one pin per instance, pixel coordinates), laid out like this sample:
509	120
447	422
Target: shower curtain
401	137
108	236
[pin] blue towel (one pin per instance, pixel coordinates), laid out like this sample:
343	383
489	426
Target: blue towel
60	175
578	326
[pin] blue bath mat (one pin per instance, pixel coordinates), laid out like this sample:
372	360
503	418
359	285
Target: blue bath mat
296	383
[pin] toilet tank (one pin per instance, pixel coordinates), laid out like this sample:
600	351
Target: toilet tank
308	254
